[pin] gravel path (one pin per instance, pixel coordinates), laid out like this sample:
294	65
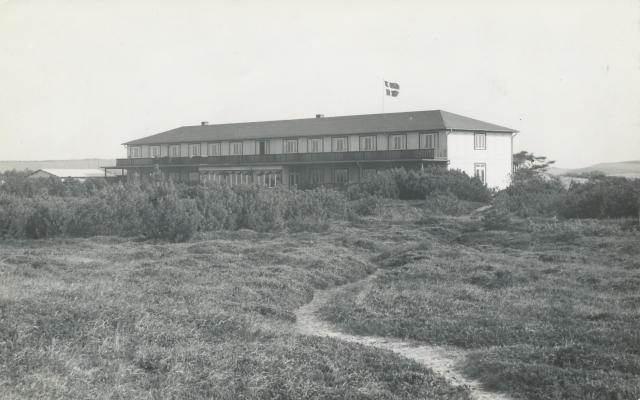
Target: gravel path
441	360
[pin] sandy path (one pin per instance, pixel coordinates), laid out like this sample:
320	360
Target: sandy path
441	360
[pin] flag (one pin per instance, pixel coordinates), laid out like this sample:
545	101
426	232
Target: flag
392	88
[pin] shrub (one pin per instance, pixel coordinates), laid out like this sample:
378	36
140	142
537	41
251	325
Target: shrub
444	203
532	194
496	219
367	205
159	209
602	197
417	184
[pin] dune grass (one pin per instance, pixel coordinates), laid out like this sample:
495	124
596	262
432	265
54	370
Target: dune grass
547	310
211	318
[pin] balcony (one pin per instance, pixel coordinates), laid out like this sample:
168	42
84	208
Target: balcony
283	159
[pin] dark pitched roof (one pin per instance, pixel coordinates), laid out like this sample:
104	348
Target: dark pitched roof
351	124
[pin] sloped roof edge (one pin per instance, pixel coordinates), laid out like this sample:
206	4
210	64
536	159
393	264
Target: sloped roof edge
339	125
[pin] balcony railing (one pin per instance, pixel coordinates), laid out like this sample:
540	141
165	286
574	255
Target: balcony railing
291	158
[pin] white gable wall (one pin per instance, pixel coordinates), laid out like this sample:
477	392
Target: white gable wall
496	156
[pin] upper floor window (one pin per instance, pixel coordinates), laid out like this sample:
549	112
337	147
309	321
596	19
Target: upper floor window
397	142
155	151
214	149
315	145
174	150
427	141
136	152
339	144
235	148
262	147
480	141
367	143
194	150
291	145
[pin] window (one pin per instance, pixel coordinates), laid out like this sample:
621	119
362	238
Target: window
214	149
397	142
315	145
480	172
316	176
294	178
194	150
135	152
262	147
341	176
235	148
366	172
480	141
155	151
291	146
427	141
174	150
339	144
367	143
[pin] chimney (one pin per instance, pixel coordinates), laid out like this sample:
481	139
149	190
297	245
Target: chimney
319	115
203	123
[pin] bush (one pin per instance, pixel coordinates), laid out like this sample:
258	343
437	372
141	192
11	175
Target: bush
532	194
602	197
444	203
159	209
418	184
496	219
367	205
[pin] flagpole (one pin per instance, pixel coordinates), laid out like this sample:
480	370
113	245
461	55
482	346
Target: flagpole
384	92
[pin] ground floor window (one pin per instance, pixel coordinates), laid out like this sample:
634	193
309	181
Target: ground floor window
316	176
294	179
341	176
480	172
366	172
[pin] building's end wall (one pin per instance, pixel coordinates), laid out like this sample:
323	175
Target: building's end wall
496	156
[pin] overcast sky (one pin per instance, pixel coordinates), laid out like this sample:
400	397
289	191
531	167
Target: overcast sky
78	78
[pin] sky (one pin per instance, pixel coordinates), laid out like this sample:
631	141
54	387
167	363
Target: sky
78	78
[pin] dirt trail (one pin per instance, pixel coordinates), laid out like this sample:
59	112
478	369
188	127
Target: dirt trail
441	360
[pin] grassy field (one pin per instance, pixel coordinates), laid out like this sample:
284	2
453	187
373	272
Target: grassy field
547	310
212	318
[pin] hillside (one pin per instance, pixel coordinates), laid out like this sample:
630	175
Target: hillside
628	169
34	165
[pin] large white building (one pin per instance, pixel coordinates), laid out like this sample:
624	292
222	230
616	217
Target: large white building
326	150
